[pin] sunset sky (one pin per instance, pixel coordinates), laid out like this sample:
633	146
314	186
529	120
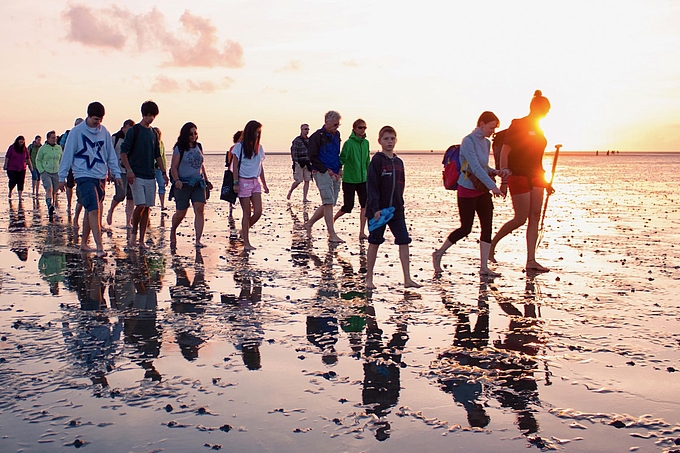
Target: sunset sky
610	68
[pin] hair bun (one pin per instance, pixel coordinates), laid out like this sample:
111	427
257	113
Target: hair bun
538	93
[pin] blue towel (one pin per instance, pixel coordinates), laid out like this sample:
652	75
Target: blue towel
385	216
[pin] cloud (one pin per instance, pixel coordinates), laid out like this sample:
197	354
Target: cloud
193	44
292	66
165	84
350	63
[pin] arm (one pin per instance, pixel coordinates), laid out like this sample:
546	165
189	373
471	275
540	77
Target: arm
174	170
66	163
27	158
160	161
264	182
234	163
112	160
373	188
39	160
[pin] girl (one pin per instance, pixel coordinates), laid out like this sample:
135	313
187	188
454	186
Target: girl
474	156
188	172
522	156
16	160
248	155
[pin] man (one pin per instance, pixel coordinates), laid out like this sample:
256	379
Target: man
47	162
89	152
35	176
124	191
301	165
324	153
139	151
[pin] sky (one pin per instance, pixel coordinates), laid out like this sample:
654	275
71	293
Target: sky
609	68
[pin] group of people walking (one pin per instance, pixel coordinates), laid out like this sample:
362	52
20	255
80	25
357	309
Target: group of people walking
134	158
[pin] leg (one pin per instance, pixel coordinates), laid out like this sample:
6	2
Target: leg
93	218
532	229
129	210
109	215
76	216
328	217
86	235
362	224
292	188
199	222
485	215
370	264
256	200
136	215
245	224
305	191
69	198
406	267
176	220
466	211
143	224
520	203
318	213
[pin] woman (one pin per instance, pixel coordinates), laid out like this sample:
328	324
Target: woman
159	172
247	159
474	157
16	160
522	155
190	179
355	158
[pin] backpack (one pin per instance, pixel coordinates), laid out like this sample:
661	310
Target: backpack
498	140
451	164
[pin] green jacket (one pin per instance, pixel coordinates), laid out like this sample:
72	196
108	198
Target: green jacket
33	152
48	158
355	157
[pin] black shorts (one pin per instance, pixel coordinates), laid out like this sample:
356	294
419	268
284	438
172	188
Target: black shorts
70	180
348	190
397	227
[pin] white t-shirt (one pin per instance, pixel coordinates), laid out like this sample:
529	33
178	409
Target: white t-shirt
249	168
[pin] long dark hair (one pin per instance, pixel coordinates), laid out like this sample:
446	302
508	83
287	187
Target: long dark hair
18	148
183	139
250	139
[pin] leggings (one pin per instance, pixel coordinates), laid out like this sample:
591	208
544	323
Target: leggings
483	206
16	178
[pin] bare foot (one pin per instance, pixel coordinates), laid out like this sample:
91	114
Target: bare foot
411	284
132	238
288	196
336	240
87	248
306	201
101	253
109	217
143	246
248	247
363	237
492	257
489	273
200	245
369	284
534	266
437	261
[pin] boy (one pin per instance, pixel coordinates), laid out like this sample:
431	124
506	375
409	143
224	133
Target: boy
385	187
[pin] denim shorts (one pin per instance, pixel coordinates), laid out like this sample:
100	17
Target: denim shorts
90	192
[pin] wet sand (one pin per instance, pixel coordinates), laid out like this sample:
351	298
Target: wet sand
283	350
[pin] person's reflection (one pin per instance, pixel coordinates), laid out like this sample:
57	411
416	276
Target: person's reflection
382	367
519	389
301	243
322	324
52	263
468	342
245	319
189	298
17	218
140	326
354	297
93	285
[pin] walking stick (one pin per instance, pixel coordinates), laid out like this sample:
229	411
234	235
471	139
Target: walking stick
550	192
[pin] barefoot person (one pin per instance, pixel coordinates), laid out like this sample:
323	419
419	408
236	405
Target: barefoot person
301	164
139	151
248	155
385	188
475	198
190	180
47	162
89	152
16	160
33	149
122	192
355	158
324	153
522	155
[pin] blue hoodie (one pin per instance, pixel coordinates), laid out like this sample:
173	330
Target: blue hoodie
90	152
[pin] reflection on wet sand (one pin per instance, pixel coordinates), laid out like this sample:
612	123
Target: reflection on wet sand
474	372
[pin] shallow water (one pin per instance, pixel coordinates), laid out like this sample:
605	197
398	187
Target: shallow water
283	350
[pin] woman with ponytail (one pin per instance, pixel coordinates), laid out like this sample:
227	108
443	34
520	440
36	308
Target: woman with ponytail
522	156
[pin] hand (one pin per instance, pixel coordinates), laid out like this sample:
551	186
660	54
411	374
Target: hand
504	190
266	189
130	177
376	216
236	188
119	182
550	189
165	179
178	184
61	187
496	192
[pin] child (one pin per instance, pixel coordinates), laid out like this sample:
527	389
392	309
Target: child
385	187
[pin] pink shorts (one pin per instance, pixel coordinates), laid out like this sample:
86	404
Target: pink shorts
248	186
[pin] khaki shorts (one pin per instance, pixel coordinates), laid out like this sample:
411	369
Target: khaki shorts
301	173
50	181
144	192
329	188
